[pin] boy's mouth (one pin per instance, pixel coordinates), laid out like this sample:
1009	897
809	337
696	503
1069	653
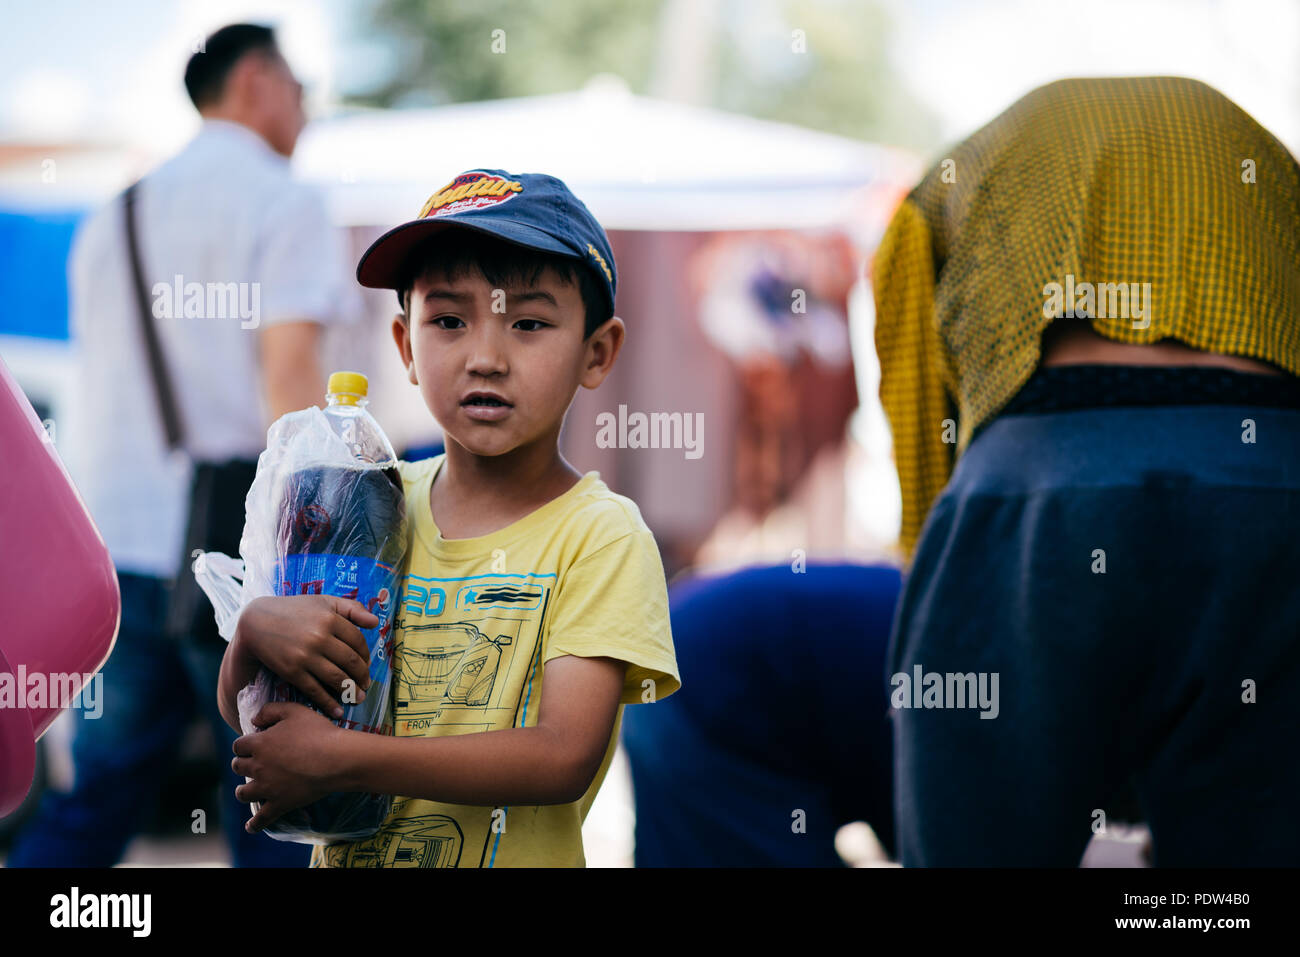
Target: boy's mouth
485	406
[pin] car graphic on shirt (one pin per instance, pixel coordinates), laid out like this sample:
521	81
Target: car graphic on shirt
424	840
455	662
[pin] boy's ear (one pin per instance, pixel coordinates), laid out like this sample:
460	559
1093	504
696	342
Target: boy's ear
602	350
402	336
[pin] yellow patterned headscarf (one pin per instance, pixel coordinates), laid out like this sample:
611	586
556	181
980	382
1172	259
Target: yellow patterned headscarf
1082	183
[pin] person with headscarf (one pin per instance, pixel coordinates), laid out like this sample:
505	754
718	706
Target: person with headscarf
1088	323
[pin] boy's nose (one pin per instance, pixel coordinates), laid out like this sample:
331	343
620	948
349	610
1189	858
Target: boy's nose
487	352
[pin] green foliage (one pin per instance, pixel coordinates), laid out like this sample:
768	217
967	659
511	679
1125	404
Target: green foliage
550	47
841	81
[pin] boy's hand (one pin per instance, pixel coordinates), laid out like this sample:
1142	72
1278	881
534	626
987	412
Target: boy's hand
293	761
311	641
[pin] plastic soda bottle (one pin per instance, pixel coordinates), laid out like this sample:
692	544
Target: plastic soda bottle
342	531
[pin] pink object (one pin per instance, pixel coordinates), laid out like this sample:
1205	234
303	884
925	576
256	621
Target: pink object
58	588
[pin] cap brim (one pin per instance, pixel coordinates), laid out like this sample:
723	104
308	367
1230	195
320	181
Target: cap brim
382	265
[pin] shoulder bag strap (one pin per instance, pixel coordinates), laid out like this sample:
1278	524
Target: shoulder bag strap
162	384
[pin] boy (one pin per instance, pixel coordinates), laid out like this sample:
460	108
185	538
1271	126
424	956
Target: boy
533	602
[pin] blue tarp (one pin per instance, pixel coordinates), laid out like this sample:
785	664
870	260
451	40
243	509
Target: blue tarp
34	247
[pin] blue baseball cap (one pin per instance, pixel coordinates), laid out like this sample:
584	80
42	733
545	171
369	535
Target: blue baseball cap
529	209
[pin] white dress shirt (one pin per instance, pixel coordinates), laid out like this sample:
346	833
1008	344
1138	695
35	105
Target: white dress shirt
224	210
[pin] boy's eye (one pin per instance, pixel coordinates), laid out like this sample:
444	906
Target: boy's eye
445	322
530	325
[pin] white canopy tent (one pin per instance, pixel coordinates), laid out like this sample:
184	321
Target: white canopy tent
638	163
641	164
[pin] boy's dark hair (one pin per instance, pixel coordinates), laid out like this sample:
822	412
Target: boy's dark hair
205	74
459	252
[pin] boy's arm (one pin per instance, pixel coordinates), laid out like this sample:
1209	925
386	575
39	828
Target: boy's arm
552	763
238	668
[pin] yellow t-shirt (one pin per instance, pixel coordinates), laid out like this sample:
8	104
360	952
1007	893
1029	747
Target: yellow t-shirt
477	621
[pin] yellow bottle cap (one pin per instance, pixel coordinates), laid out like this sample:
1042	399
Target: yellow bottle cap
348	386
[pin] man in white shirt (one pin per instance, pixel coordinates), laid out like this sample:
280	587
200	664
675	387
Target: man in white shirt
241	268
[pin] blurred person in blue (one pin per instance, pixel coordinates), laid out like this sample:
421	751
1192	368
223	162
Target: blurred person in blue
793	740
771	784
1091	367
198	301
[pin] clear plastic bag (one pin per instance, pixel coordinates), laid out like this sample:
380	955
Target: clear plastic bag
318	521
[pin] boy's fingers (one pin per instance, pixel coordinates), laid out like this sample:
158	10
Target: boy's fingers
363	616
354	611
266	814
249	792
354	656
337	681
276	711
320	696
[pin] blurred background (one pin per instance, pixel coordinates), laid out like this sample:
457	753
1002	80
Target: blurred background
742	154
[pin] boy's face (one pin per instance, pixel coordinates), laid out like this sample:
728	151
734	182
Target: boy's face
499	368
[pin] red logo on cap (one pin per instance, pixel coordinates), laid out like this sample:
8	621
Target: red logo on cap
470	191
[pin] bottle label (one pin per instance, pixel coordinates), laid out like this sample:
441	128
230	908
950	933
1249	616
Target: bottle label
374	585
